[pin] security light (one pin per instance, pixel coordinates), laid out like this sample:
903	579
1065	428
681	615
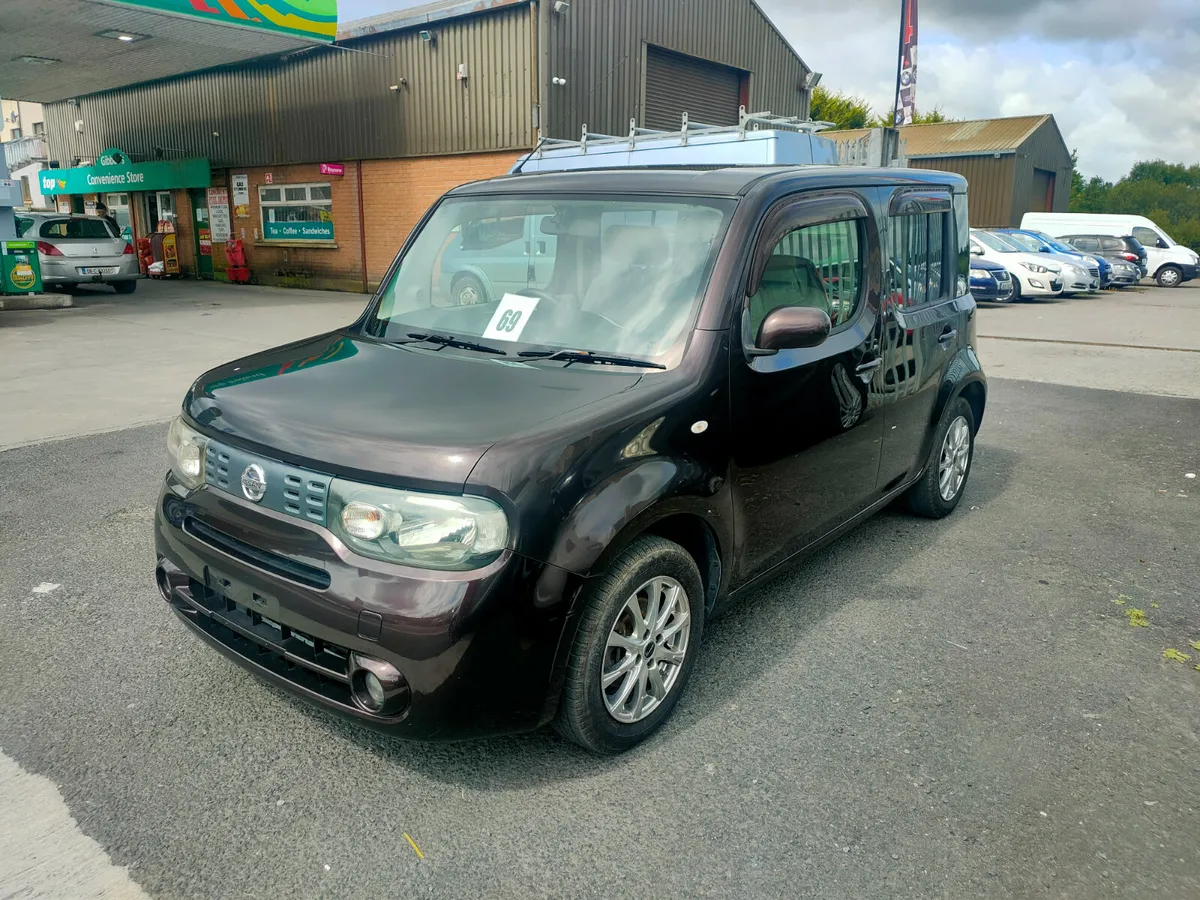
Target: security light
426	36
561	6
813	79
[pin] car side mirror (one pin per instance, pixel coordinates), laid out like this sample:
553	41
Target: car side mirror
1043	249
792	328
977	251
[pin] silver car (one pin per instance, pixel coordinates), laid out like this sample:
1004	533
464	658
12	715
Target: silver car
81	250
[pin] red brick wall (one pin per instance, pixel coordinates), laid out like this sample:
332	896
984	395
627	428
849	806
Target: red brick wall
397	192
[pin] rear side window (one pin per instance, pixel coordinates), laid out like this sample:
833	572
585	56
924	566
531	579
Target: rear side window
85	229
918	249
1085	243
23	225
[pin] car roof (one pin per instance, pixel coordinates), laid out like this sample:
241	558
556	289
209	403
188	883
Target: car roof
734	181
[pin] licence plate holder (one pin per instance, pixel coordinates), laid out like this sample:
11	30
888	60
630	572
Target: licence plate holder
98	270
239	592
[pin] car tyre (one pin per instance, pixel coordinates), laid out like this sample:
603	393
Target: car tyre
941	486
124	287
597	694
1169	276
467	290
1016	294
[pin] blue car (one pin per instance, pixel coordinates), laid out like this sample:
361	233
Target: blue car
990	281
1043	243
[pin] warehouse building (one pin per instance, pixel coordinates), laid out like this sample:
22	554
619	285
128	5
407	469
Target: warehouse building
323	159
1014	166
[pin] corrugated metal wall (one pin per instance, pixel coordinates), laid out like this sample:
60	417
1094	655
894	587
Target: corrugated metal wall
990	185
1045	149
327	104
599	47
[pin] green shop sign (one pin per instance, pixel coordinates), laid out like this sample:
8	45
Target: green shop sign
115	172
298	231
313	19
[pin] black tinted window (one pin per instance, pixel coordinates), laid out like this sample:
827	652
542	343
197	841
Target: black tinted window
917	247
85	229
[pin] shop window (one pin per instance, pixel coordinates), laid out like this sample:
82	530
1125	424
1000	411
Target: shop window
296	212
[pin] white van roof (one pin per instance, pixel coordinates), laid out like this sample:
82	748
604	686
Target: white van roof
1059	224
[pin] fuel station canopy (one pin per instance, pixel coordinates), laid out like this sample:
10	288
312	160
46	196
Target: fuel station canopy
58	49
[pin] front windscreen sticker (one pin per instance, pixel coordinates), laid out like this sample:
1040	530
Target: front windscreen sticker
512	315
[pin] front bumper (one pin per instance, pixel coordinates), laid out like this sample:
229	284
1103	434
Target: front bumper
284	599
1040	285
1190	273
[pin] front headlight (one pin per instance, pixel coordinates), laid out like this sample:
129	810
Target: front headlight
1035	267
429	531
185	448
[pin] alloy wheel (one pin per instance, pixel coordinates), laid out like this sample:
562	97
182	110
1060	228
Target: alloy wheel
646	649
955	457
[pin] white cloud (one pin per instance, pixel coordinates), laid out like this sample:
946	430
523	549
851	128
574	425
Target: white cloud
1122	88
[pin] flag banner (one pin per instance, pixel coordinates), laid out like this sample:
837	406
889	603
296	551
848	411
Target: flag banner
906	81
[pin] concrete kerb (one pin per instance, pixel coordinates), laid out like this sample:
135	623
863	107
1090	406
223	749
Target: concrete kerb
35	301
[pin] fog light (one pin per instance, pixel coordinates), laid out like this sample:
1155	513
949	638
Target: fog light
1035	283
377	686
363	521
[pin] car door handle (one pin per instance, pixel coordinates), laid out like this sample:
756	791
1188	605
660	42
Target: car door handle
866	371
948	335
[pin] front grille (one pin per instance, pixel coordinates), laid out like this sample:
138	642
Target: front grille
1094	271
296	492
1002	277
274	563
318	666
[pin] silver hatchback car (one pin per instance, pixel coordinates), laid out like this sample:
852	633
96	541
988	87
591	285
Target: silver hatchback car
80	250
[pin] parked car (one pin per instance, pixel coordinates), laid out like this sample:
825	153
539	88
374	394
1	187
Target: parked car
487	260
1033	275
1125	249
1081	273
1170	263
990	281
1095	264
76	250
455	519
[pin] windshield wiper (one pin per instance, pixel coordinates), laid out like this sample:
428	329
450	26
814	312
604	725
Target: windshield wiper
584	356
447	340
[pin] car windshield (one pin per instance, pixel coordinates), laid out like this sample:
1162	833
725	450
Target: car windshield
1024	241
996	242
620	276
1057	245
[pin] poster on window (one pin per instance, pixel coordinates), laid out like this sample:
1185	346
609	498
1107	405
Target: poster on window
218	214
241	196
906	80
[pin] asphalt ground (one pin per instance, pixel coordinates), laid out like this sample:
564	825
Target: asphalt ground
958	708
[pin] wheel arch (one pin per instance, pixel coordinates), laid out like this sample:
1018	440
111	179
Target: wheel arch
474	272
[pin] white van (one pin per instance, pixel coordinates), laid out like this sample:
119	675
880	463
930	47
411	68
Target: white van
1170	263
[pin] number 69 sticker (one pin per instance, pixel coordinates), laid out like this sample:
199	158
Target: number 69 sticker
511	317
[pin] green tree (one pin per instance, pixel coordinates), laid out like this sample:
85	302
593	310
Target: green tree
845	111
1167	193
933	117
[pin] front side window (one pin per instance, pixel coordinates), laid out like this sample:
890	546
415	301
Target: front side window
296	212
1147	236
817	266
918	250
617	276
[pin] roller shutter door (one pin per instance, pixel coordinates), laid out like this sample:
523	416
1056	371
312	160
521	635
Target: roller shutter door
708	92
